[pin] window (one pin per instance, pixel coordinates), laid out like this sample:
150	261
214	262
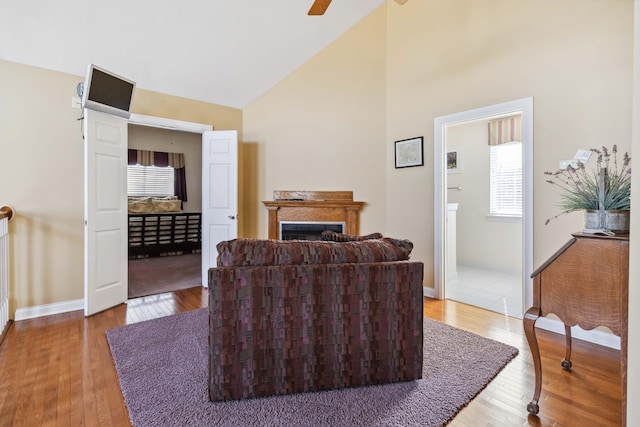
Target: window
150	181
506	179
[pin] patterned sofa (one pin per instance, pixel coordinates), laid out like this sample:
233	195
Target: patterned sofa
296	316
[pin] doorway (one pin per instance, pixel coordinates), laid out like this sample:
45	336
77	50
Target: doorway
105	187
448	185
484	217
175	267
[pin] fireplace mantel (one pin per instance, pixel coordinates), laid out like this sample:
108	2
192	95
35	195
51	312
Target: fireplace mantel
320	206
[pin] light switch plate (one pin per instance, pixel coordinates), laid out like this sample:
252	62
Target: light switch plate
582	155
562	164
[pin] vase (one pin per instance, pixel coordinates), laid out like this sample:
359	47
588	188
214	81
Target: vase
614	220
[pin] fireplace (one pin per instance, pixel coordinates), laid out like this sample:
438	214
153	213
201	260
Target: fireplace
316	211
307	230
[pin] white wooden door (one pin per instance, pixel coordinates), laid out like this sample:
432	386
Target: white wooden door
105	219
219	194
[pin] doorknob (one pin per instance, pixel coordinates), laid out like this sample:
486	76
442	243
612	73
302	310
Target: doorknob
232	217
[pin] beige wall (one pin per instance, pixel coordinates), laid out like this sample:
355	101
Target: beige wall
442	58
41	171
474	227
572	56
323	128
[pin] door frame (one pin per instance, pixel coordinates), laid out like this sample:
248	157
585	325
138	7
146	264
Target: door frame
163	123
524	106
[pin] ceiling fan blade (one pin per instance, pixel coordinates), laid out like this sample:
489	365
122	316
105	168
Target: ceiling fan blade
401	2
319	7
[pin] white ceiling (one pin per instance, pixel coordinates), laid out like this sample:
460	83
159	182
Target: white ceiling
226	52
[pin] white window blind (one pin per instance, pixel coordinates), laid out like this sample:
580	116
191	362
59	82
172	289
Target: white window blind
506	179
149	181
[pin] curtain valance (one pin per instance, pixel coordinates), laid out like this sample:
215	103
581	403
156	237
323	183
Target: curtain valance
156	158
505	130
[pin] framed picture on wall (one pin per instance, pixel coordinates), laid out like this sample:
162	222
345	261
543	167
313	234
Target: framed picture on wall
409	152
453	160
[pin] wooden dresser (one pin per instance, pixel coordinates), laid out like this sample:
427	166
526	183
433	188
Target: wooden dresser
585	283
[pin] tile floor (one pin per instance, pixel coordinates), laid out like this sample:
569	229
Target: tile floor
491	290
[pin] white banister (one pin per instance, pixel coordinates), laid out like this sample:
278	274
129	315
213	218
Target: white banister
6	214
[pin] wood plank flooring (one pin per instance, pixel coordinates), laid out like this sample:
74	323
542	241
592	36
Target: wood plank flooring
589	395
58	371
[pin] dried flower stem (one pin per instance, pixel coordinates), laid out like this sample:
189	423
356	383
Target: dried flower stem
605	186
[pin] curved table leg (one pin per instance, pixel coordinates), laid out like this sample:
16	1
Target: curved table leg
566	362
529	321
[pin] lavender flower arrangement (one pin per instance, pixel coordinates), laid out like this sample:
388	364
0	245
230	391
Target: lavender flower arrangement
609	184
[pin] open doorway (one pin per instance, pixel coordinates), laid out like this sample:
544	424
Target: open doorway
484	214
105	151
451	163
164	232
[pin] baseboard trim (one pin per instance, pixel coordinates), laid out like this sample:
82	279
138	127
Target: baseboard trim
49	309
428	292
594	336
553	325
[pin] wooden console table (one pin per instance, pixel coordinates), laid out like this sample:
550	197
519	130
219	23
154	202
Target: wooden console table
585	283
323	206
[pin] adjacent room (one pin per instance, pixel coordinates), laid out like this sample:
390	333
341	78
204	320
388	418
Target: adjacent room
485	198
164	175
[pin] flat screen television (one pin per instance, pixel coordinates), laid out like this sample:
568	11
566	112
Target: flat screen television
107	92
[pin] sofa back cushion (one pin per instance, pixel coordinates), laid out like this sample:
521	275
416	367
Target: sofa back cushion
332	236
257	252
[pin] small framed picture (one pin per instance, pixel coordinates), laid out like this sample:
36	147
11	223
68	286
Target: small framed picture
453	161
409	152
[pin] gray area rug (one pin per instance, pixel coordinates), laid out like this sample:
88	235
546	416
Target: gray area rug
162	366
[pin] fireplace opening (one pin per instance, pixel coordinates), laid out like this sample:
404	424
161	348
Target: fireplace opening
307	230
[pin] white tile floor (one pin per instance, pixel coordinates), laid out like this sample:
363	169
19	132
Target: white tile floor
491	290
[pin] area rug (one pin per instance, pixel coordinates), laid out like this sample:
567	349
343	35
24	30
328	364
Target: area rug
149	276
162	367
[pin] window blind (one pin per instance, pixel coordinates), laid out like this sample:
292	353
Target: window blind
506	179
150	181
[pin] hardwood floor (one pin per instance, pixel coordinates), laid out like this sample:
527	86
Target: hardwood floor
58	371
590	395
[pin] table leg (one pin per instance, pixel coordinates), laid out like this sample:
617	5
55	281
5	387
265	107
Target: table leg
566	362
529	322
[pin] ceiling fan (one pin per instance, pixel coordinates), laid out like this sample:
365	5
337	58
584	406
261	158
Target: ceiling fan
319	7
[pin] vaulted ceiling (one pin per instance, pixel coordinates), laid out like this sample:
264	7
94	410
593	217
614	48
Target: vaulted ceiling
227	52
